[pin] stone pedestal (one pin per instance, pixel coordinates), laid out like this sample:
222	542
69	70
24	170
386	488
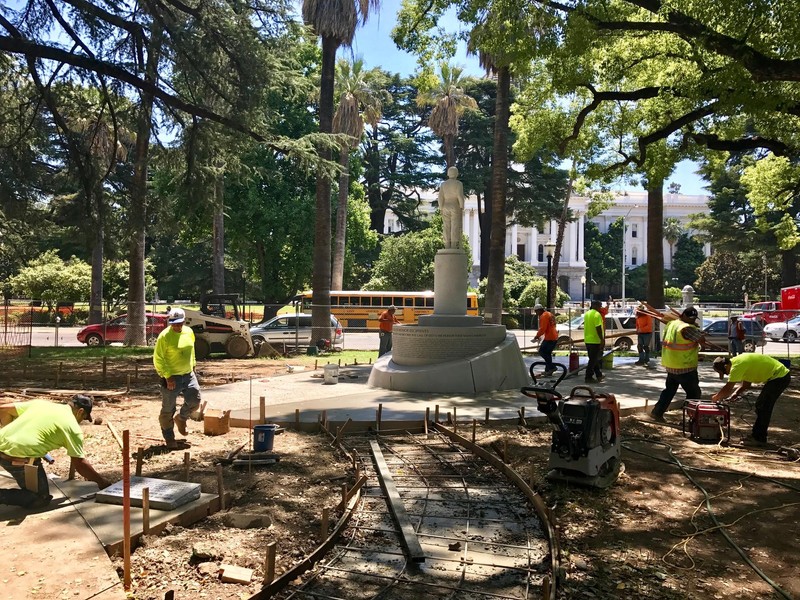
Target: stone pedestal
450	352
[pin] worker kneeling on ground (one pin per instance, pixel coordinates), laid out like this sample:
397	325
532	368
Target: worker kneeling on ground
744	370
31	430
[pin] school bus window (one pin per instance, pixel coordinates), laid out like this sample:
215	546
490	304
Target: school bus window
429	302
419	301
408	301
397	301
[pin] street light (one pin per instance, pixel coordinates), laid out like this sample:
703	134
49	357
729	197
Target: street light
623	251
549	248
583	290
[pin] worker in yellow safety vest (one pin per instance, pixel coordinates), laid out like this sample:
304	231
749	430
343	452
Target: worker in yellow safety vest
679	349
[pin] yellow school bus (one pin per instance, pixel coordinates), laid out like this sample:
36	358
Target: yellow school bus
360	310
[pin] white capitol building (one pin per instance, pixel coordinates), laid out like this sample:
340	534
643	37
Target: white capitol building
528	243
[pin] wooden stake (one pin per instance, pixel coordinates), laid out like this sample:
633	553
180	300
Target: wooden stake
262	410
380	414
546	587
220	488
105	367
32	478
486	420
128	389
340	362
146	511
187	460
340	431
297	419
436	414
474	429
269	564
114	432
58	373
315	364
427	418
323	532
136	369
139	461
455	420
126	508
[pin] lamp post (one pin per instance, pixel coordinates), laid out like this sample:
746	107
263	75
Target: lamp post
549	248
583	290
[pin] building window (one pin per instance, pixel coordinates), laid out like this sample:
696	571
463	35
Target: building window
634	257
540	253
634	231
521	252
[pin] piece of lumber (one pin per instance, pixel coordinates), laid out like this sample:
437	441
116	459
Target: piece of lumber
234	574
63	392
114	432
407	533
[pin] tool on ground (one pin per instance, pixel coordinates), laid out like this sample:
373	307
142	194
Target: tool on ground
706	421
540	363
586	437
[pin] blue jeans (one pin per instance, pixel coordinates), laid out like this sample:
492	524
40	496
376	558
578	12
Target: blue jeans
690	382
186	385
736	346
643	343
22	496
546	348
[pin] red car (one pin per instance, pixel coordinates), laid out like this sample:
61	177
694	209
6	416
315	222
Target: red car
114	330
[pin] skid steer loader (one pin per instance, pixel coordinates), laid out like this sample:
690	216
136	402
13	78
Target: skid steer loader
218	327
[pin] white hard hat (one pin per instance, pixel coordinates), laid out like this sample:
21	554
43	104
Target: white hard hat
176	315
538	307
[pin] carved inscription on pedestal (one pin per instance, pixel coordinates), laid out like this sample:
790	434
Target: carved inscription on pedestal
430	345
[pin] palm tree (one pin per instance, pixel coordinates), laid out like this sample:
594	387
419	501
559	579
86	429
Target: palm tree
360	101
672	233
449	102
335	22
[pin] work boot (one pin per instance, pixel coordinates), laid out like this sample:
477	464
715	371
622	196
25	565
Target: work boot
656	417
171	444
751	441
639	363
41	502
180	423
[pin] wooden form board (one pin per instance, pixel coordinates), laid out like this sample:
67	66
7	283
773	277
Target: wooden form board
407	533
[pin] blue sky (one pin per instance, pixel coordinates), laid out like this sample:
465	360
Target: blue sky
374	44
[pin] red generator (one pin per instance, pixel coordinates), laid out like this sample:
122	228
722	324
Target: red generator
707	421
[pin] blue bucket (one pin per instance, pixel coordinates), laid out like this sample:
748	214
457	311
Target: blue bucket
263	437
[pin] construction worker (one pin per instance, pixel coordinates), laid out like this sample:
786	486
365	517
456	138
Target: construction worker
174	361
679	354
547	330
594	337
644	333
736	335
386	322
32	430
745	370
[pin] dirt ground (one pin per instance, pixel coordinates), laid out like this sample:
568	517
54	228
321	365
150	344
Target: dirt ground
648	536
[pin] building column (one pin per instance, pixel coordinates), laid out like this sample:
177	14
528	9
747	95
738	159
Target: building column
534	247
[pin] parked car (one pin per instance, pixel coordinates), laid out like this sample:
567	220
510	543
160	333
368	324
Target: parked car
114	330
293	330
621	326
788	331
717	333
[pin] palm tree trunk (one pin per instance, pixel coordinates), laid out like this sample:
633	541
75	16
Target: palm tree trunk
655	243
321	278
337	274
218	244
136	332
493	308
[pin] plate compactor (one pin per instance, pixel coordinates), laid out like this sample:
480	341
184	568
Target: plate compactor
586	436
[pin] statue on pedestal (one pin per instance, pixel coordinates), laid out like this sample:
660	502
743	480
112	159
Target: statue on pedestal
451	205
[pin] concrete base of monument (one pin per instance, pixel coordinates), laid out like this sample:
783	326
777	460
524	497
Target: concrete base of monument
499	367
450	321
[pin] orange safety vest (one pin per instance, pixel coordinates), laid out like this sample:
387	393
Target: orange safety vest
644	323
547	327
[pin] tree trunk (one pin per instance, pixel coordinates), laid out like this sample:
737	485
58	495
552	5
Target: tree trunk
655	242
218	244
96	294
337	273
136	332
493	307
562	225
485	223
321	278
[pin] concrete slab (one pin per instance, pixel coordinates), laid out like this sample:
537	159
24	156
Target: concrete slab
636	388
